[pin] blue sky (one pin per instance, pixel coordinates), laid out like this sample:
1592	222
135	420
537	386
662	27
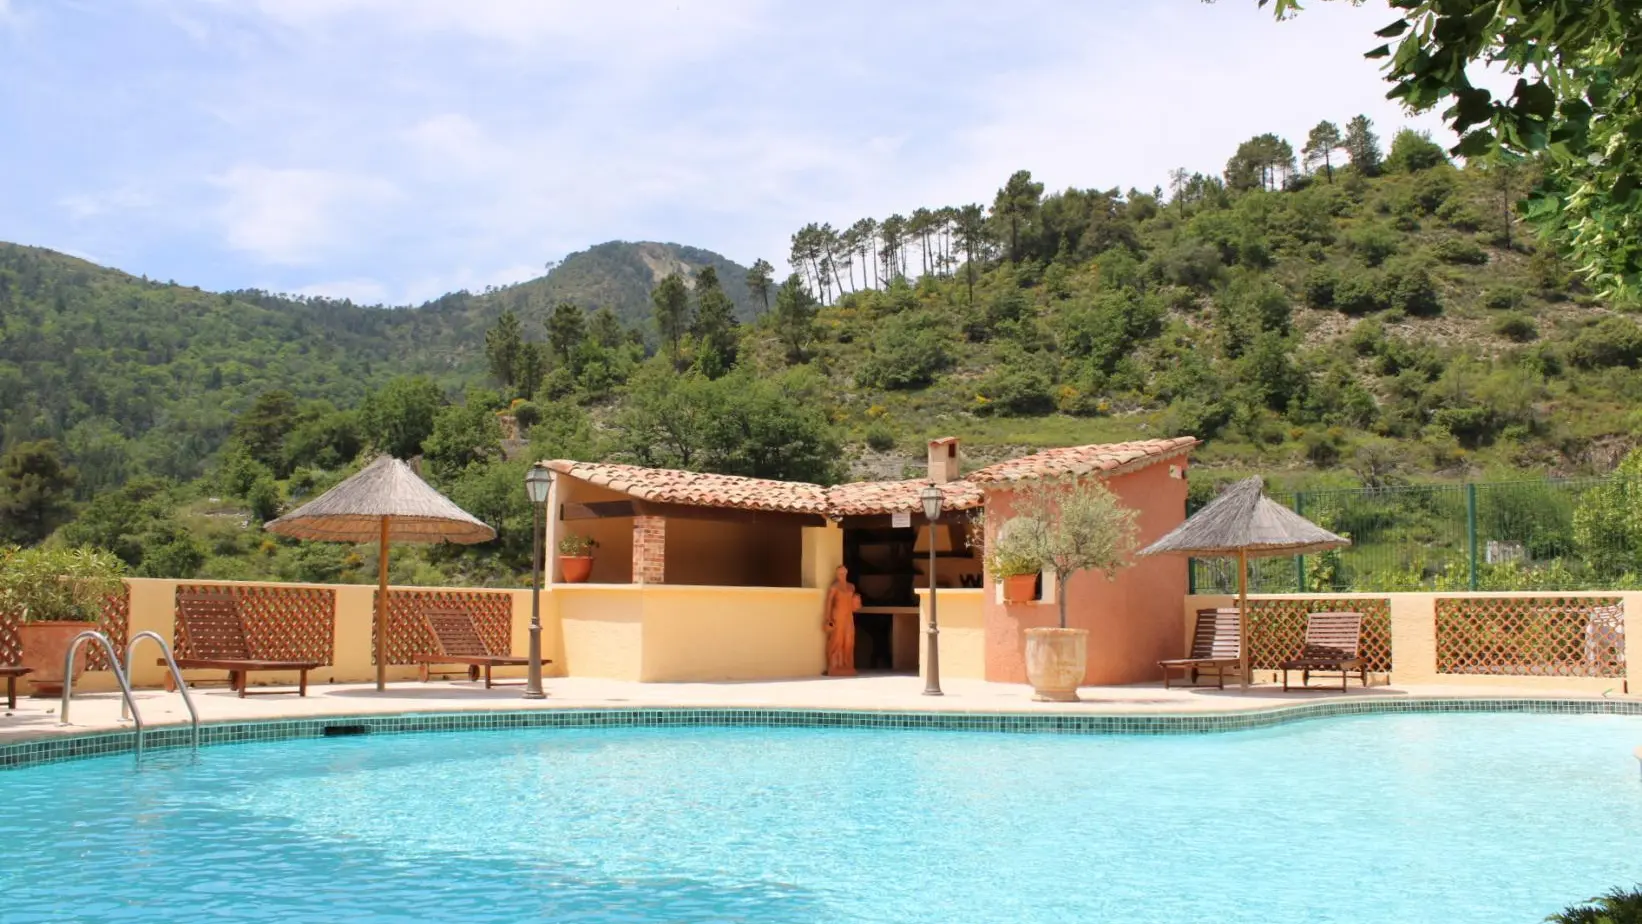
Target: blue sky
393	150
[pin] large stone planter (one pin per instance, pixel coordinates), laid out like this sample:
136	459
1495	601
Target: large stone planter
45	644
1055	662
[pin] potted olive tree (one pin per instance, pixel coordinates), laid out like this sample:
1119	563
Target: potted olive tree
1070	527
576	558
58	593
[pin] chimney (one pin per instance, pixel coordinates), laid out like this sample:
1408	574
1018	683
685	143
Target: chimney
943	459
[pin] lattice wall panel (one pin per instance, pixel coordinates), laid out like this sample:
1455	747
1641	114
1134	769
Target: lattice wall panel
1279	629
408	632
115	622
1531	636
281	623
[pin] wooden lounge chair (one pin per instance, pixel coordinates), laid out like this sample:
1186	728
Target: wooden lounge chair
1332	642
458	642
1214	648
11	673
214	636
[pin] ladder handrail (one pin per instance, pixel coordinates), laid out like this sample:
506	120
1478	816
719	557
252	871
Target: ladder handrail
119	677
176	674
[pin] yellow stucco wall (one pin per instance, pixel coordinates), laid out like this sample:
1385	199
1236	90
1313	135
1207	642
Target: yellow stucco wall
153	607
962	620
1414	637
603	629
731	633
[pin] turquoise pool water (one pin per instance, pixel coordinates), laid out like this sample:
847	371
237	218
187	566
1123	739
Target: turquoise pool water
1396	819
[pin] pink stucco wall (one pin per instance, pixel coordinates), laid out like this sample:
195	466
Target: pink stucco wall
1133	621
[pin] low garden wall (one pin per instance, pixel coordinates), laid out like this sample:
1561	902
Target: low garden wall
1556	641
962	620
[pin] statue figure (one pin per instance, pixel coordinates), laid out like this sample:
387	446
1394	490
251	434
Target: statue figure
838	617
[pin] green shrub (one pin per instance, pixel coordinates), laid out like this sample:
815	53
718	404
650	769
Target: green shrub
880	437
1372	243
1319	286
1503	298
528	415
1459	216
69	584
1357	291
1517	327
1613	341
910	350
1412	151
1459	250
1408	287
1019	388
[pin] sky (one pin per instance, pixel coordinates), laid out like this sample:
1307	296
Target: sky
394	150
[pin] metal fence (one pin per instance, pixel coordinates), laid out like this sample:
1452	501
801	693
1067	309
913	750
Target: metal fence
1574	534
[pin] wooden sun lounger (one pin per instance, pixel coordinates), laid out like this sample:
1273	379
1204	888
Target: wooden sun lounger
1332	643
458	642
11	673
215	638
1214	648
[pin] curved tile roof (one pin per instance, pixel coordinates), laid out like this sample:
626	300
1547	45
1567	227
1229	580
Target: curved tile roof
671	486
1101	458
864	498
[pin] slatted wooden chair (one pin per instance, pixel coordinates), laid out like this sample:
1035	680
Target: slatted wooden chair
1332	644
212	631
1214	648
11	673
457	641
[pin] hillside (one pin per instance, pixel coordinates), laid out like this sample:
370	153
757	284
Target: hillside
1359	326
620	275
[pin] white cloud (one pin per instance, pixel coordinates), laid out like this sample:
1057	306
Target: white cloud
293	216
83	206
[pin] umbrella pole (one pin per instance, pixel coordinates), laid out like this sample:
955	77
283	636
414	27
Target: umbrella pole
382	609
1243	615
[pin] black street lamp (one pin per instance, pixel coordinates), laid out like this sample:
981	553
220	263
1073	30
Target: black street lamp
537	482
931	497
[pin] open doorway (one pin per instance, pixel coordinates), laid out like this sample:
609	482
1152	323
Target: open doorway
882	568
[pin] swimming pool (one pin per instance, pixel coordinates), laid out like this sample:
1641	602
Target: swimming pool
1396	818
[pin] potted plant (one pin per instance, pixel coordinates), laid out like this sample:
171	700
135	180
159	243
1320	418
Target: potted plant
576	558
1069	526
1012	560
58	593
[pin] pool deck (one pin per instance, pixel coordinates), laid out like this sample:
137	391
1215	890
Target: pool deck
91	712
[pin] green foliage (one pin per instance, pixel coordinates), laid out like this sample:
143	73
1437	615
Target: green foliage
566	329
1372	244
1516	327
1070	527
48	583
138	523
672	313
1460	251
463	435
880	437
1607	524
1617	906
1613	341
1017	387
398	417
503	345
1362	145
715	326
1412	151
794	318
36	488
574	546
908	351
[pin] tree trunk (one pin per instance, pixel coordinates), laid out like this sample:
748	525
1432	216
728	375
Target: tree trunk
1060	596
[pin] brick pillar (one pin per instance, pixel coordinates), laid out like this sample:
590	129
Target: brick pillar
649	550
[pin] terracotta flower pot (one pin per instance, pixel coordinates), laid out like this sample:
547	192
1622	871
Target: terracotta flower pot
1019	588
45	644
575	568
1055	662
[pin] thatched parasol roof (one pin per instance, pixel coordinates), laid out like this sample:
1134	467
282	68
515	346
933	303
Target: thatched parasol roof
353	511
1244	519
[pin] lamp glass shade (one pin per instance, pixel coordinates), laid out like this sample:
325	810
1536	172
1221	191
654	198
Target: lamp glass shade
537	481
931	496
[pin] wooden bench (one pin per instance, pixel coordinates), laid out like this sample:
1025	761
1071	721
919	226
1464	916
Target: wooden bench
1332	643
11	672
457	641
1215	647
212	631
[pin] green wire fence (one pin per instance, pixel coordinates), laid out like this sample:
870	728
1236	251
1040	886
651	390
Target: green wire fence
1572	534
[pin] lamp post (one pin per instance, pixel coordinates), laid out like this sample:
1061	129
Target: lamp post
537	482
931	497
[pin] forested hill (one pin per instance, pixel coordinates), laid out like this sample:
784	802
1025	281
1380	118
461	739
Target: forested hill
620	275
134	375
1363	319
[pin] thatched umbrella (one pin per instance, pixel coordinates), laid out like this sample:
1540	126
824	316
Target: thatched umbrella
384	503
1240	523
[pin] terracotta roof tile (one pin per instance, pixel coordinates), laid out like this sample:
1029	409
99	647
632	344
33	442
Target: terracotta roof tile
1103	458
676	487
863	498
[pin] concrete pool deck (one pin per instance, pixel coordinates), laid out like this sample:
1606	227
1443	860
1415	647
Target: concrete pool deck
93	712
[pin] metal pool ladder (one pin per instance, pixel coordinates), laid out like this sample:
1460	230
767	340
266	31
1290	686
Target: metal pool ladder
128	705
176	674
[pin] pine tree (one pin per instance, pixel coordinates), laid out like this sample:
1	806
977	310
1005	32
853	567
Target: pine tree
672	304
760	277
1362	146
1321	144
715	325
795	317
502	344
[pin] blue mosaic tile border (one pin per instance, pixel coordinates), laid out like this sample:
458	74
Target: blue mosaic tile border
73	747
